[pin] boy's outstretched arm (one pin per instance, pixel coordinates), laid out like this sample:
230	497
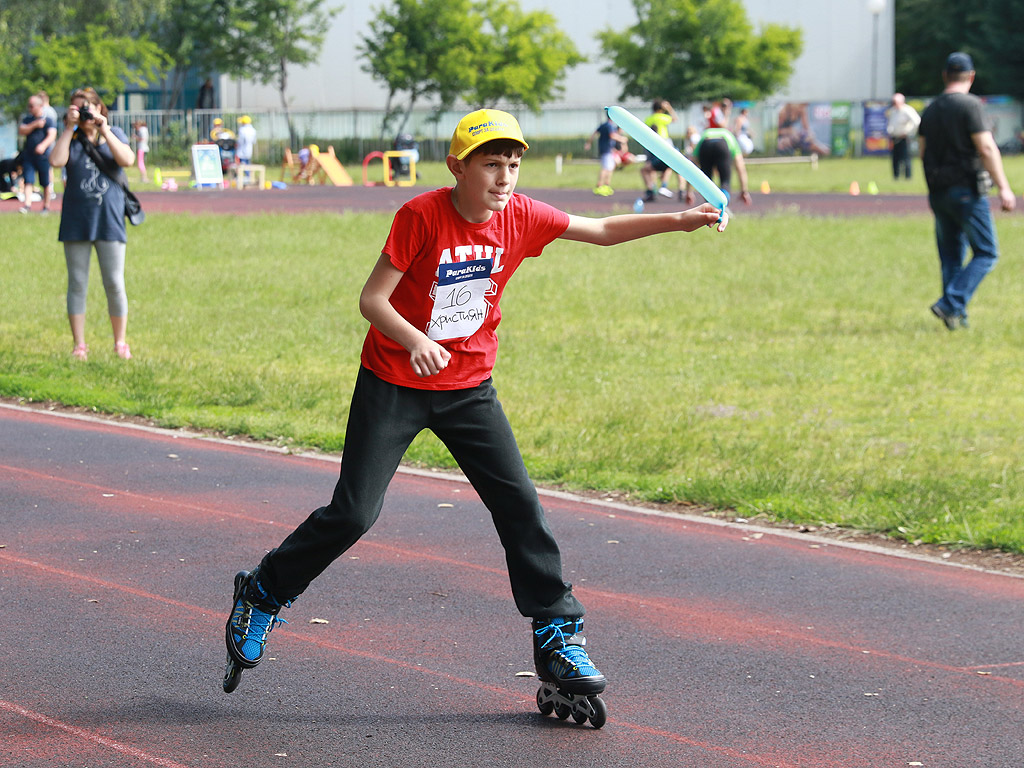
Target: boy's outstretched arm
426	356
613	230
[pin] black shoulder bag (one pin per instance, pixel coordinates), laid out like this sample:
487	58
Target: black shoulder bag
132	207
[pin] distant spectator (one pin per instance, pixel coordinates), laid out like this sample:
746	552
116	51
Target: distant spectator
10	175
608	136
205	98
716	153
741	130
901	127
40	132
654	169
218	131
246	145
141	148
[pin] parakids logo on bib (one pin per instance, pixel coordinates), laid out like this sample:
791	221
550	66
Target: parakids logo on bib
460	306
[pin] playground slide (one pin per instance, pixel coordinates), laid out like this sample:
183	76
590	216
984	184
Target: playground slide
335	171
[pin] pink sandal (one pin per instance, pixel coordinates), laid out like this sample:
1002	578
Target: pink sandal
123	351
80	352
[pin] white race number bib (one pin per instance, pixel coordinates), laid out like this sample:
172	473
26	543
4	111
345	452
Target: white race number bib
460	304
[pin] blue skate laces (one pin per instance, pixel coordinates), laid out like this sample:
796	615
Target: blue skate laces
566	656
571	661
250	626
252	623
552	631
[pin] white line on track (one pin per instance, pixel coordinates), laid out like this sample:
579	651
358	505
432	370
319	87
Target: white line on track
85	735
455	476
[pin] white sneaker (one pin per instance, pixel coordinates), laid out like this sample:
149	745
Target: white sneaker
665	192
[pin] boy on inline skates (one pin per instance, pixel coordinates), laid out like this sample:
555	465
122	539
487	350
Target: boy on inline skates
432	303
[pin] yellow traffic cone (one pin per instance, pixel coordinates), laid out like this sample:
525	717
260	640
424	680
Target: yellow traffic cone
854	188
158	178
766	188
872	188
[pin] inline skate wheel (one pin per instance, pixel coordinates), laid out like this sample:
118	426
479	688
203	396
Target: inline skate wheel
545	706
600	714
232	675
561	710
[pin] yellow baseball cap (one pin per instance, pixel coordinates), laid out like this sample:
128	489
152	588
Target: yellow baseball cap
482	126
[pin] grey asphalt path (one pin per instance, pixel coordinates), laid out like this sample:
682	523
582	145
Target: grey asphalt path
725	645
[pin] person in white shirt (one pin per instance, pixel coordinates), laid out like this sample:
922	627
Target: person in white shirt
246	140
901	127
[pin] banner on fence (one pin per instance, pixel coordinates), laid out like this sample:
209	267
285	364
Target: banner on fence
841	111
876	137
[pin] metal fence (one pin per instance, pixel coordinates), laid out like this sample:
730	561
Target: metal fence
356	132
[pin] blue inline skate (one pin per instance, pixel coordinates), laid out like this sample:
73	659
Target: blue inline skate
253	616
569	680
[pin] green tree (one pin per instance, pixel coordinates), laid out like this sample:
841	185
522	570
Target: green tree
480	51
520	58
696	50
30	34
1000	48
420	49
188	33
927	31
93	57
264	37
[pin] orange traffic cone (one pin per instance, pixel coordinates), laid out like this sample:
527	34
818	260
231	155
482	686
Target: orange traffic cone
854	188
766	188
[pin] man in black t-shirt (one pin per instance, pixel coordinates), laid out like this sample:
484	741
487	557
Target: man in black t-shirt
961	161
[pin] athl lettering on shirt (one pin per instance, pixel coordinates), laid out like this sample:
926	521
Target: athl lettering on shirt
470	252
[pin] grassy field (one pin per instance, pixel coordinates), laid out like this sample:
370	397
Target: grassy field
788	368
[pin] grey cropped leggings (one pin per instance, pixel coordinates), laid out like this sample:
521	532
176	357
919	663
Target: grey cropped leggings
78	254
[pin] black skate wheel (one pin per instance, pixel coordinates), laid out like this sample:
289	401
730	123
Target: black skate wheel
232	675
561	710
545	707
600	714
579	716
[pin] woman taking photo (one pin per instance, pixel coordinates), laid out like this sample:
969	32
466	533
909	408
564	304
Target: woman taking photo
92	214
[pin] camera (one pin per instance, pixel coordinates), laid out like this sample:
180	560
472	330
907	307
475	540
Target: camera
84	115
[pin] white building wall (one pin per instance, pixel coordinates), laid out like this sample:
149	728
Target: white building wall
835	64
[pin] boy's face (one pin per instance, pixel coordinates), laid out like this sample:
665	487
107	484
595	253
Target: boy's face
484	183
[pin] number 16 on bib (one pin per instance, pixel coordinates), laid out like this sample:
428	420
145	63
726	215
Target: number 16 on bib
460	303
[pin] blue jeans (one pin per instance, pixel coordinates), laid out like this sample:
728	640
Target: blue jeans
962	217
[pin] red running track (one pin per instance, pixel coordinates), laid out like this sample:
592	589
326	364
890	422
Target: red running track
725	646
308	199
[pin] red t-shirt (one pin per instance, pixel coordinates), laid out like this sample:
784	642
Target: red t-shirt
455	273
